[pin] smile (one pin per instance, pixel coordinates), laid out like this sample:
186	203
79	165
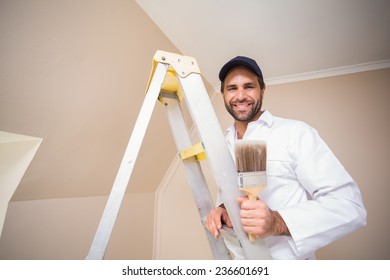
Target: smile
242	106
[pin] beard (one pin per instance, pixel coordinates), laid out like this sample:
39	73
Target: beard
244	115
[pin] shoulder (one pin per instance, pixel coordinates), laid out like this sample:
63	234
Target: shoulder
292	125
296	134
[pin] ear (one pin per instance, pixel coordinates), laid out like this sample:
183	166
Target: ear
262	91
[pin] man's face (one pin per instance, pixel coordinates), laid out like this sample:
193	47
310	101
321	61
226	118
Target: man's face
242	95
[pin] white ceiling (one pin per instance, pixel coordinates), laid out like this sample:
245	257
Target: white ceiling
285	37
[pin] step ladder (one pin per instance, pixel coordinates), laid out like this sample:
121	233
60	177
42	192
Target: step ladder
176	78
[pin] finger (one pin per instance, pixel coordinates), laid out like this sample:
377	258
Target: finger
257	205
227	220
249	215
207	223
247	204
212	229
213	224
250	222
216	225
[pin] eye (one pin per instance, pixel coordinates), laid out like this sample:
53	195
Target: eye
249	86
231	88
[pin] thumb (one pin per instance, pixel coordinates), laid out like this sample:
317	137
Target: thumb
227	220
241	199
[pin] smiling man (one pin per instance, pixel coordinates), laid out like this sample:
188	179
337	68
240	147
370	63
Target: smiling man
310	199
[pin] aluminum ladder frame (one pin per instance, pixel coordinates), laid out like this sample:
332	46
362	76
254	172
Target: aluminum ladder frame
175	78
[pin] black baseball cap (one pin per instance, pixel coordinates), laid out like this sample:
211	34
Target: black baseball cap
240	61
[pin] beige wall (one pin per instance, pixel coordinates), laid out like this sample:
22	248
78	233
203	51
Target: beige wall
179	233
351	114
63	228
74	74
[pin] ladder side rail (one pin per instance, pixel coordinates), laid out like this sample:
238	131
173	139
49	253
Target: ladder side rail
194	172
219	158
103	233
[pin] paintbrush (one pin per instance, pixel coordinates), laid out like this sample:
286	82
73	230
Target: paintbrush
251	162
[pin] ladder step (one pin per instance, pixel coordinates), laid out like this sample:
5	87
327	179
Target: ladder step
228	233
196	150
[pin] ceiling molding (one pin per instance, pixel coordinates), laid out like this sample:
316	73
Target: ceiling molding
376	65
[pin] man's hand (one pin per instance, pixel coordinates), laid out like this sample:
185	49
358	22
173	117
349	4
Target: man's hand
258	219
215	219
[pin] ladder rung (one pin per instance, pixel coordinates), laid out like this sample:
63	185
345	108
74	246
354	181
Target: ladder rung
228	233
196	150
227	230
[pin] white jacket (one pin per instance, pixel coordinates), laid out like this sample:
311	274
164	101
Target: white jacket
306	184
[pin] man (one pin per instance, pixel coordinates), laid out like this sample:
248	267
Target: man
310	199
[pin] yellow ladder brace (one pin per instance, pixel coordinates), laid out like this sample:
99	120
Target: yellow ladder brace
196	151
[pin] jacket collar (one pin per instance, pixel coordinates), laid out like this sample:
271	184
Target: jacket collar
266	118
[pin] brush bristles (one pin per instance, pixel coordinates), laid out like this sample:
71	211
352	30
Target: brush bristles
251	155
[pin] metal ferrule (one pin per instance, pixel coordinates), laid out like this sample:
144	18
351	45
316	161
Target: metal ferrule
252	179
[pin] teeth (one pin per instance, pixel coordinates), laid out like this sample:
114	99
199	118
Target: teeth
242	105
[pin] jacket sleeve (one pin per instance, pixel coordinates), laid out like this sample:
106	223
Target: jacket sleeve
335	207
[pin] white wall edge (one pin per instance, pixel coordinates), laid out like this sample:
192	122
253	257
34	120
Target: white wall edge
16	153
331	72
158	204
159	198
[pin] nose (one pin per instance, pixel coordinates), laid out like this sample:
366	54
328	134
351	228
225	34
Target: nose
240	93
